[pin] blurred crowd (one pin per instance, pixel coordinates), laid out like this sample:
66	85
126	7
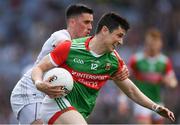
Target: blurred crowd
26	24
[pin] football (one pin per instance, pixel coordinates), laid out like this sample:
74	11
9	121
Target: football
60	76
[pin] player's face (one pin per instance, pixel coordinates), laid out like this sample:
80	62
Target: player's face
115	38
83	25
153	44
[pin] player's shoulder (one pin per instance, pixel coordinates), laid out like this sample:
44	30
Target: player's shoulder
115	56
66	43
59	36
61	33
80	40
137	56
80	43
163	58
63	46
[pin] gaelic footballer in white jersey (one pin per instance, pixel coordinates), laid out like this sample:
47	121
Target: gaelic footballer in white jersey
25	95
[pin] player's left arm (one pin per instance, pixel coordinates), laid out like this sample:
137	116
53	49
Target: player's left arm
130	89
169	79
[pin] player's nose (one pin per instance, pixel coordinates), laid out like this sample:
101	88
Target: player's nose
90	26
120	41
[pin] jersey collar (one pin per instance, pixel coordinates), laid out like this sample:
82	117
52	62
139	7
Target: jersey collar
87	47
87	42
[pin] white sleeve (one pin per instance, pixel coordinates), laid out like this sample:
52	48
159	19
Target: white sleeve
53	40
59	37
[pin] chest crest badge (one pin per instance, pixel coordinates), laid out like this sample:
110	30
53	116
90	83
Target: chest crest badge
108	66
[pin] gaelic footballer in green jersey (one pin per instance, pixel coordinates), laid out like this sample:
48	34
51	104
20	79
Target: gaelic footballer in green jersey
91	61
89	71
151	70
148	73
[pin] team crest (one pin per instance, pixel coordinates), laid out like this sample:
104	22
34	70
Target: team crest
108	66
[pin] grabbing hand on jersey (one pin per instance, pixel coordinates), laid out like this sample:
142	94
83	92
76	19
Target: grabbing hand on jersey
53	91
122	74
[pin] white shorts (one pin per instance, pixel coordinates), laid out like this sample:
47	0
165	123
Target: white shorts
29	113
142	112
26	111
24	93
51	109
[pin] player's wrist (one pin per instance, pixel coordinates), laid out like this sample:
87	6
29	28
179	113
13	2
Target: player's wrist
155	107
38	82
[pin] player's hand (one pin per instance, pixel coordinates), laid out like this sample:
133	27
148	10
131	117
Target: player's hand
53	91
123	108
169	81
165	112
121	75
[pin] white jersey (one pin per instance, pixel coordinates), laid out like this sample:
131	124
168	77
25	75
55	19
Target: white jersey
25	91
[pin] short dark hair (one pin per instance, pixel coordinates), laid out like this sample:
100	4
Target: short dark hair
112	21
77	9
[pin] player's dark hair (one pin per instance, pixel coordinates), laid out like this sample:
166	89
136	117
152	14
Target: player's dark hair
77	9
112	21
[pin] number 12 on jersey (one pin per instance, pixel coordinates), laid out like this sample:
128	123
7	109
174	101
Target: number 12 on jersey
94	66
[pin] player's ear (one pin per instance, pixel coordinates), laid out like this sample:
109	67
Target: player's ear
104	30
71	22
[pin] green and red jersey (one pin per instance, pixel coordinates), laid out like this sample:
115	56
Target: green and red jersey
89	71
148	73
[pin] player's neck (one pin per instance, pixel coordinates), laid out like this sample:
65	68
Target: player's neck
73	36
151	53
96	46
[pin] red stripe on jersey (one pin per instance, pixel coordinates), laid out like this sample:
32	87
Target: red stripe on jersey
57	114
60	53
153	78
93	81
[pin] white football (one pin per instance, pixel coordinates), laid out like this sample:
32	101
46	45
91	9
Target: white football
60	76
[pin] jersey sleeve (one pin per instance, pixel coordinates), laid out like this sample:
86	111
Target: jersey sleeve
132	64
169	69
121	63
60	53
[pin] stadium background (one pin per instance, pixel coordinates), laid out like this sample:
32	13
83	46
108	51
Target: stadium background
26	24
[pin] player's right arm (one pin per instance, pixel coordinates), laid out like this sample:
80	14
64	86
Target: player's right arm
55	58
45	86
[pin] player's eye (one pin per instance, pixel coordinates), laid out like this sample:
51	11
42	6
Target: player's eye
120	35
87	22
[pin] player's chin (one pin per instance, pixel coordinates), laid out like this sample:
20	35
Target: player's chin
86	33
111	49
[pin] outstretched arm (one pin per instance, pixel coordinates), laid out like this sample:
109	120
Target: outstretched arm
128	87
